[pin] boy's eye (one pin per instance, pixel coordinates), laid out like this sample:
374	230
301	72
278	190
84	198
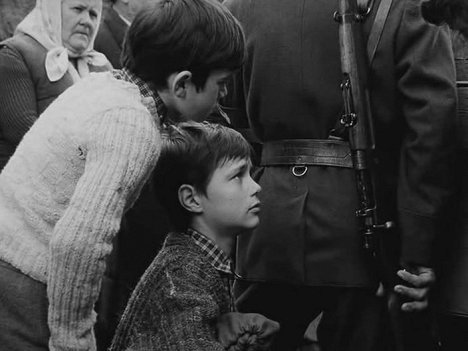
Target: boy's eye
238	175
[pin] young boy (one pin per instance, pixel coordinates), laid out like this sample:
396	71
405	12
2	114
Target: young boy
203	175
83	163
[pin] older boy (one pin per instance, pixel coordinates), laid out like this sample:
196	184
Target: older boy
83	163
203	175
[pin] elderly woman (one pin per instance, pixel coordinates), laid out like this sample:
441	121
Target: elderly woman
51	49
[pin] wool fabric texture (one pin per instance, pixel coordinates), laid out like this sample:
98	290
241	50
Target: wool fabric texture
25	91
177	302
64	191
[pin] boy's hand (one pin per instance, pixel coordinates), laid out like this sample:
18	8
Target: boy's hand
417	291
246	331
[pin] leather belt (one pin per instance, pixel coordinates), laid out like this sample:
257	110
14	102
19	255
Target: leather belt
304	152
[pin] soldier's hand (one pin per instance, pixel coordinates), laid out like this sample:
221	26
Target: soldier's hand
417	290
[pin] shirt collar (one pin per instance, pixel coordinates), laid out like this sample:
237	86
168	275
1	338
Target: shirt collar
218	259
150	96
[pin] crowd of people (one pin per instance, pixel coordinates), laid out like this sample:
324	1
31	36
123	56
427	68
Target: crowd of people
180	175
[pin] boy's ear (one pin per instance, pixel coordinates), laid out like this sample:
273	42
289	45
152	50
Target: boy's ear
189	199
179	83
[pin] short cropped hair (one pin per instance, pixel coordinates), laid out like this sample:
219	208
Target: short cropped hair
190	154
170	36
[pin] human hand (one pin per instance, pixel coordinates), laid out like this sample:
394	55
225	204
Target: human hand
417	291
246	331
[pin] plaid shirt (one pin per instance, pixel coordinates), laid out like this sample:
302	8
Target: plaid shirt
157	107
218	259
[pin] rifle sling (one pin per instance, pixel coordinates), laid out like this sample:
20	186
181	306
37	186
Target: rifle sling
323	152
377	28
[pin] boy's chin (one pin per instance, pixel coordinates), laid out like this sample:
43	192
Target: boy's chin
249	228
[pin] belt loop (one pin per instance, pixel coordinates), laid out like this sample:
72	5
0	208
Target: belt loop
299	170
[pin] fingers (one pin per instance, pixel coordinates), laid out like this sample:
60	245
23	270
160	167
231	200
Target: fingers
423	278
229	328
417	290
415	294
259	324
415	306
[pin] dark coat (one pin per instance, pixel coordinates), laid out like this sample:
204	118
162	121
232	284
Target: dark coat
110	37
308	232
453	277
25	90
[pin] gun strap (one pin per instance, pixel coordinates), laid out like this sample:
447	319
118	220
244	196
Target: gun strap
377	28
372	42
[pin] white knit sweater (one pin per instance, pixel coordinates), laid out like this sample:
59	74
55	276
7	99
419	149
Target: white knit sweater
63	193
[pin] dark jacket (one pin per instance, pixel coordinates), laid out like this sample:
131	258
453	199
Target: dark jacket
25	90
453	277
110	36
308	232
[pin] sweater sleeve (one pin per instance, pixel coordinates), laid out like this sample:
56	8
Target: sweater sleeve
120	154
18	107
426	74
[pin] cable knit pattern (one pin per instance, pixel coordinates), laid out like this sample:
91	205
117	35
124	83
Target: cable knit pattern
176	303
63	193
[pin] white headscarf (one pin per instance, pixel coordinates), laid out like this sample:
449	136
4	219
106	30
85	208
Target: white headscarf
44	23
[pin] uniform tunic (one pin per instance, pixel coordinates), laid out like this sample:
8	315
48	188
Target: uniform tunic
308	232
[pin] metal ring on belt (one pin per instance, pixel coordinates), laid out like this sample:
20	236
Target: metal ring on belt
299	170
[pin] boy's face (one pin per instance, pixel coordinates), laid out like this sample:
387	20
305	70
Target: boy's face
196	104
230	204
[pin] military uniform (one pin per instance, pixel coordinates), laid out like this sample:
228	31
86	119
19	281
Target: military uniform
308	235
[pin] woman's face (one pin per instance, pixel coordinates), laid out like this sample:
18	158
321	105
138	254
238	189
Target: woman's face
80	20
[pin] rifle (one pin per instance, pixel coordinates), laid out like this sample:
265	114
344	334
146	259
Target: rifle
357	118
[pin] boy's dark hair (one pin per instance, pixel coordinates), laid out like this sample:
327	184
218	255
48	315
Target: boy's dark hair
190	153
452	12
170	36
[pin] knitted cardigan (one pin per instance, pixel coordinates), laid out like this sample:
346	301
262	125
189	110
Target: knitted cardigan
64	191
25	90
176	304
